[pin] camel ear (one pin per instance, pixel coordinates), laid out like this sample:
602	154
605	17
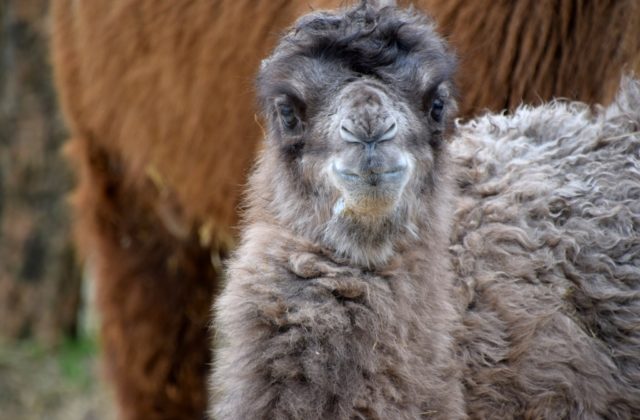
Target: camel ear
379	4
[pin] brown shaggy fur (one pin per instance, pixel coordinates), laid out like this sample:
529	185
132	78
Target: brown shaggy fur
153	329
157	94
531	51
546	258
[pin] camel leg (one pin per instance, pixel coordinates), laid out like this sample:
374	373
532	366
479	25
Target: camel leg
154	291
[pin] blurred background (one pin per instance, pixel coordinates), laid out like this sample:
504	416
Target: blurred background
48	336
159	100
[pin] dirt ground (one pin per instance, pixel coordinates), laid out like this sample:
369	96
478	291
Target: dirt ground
61	384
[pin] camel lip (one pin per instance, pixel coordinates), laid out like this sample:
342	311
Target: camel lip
372	177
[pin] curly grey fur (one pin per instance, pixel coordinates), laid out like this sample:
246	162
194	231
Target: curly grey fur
309	328
538	316
546	246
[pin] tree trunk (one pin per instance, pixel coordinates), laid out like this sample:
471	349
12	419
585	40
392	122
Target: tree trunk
39	278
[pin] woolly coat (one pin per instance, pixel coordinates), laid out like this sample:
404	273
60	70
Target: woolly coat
545	252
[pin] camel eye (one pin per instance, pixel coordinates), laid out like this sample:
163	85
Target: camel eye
288	116
437	109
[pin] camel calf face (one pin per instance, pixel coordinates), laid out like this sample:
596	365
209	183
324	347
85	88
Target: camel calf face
357	102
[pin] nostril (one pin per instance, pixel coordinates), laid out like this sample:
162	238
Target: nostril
348	136
390	133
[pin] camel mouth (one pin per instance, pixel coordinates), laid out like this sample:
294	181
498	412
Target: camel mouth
373	190
372	177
